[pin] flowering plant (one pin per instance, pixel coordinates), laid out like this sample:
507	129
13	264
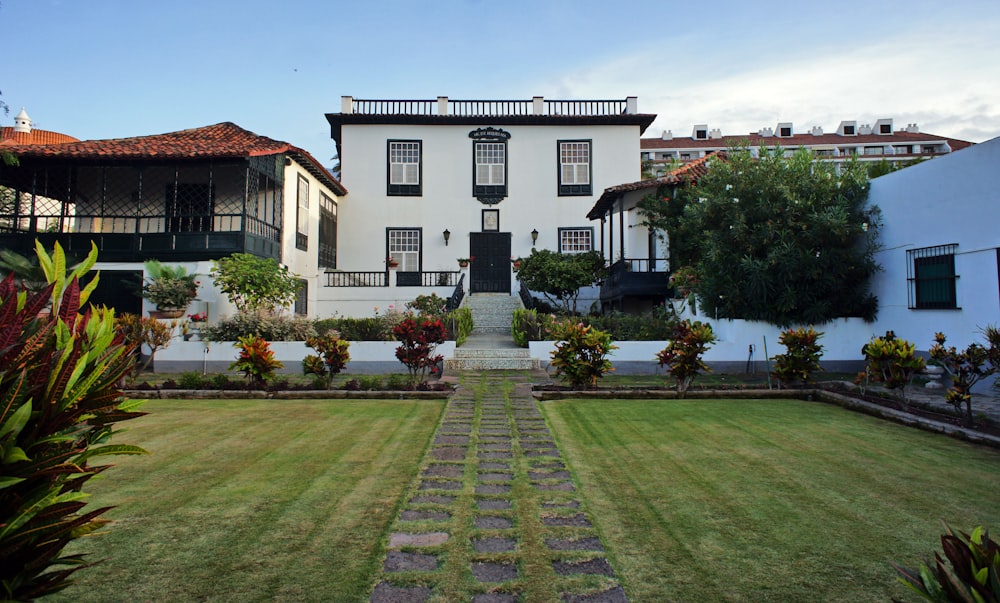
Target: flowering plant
391	261
684	280
466	260
199	317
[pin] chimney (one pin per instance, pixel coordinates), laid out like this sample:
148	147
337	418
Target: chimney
22	123
865	130
347	104
912	128
816	131
667	135
715	133
766	132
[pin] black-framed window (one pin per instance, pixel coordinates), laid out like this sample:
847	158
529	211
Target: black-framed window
576	240
302	214
327	231
302	298
403	245
931	277
405	167
575	167
489	175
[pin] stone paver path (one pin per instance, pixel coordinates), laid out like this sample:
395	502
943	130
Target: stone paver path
494	516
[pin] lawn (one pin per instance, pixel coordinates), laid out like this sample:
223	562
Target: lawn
254	500
720	500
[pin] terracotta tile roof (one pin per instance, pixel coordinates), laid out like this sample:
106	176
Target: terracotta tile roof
754	139
687	173
8	137
224	140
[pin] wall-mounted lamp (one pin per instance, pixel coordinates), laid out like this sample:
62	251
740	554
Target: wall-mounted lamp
447	235
534	236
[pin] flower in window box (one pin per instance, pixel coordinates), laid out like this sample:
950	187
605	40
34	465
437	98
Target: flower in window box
199	317
464	262
391	262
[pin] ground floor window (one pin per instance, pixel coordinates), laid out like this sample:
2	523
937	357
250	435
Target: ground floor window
404	247
576	240
931	277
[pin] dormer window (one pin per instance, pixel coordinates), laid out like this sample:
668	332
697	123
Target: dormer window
885	129
701	134
785	132
849	130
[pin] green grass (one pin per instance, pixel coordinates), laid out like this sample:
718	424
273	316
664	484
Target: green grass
719	500
251	500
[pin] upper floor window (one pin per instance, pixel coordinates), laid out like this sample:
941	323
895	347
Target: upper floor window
490	169
576	240
574	167
931	277
404	167
874	150
327	232
302	215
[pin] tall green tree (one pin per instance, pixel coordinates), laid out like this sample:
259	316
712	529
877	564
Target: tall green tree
779	239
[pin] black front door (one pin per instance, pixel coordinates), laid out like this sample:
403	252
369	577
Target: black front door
490	270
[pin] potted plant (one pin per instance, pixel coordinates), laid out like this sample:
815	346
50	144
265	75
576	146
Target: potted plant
170	288
464	262
192	326
391	262
516	263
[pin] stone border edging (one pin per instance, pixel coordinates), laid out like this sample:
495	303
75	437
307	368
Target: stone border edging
821	395
313	394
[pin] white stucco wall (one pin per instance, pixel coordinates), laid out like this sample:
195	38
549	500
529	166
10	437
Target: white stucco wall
950	199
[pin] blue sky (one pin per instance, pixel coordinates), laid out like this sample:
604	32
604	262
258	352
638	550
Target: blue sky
117	68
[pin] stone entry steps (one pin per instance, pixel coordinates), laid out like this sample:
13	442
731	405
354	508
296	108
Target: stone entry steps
492	312
468	359
495	503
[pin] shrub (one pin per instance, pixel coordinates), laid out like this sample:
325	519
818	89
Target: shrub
397	382
532	325
461	324
418	340
966	368
683	354
892	362
272	327
580	357
969	570
191	380
256	361
59	403
254	284
801	357
333	357
144	331
368	382
428	305
654	325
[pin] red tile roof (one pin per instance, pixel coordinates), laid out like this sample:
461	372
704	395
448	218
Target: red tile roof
224	140
689	173
8	137
754	139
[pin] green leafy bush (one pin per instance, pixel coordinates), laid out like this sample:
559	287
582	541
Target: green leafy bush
968	572
191	380
559	276
254	284
460	324
333	357
531	325
256	361
966	368
655	325
428	305
683	354
59	403
801	357
272	327
892	362
580	356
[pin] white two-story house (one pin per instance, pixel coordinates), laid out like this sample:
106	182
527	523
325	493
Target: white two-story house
436	181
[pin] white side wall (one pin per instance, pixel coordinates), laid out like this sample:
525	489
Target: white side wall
950	199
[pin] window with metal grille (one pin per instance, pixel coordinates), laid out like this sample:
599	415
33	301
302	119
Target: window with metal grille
404	247
931	278
302	298
576	240
302	216
327	232
404	167
574	167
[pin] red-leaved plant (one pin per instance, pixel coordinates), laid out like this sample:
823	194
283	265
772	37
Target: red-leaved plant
60	370
801	357
683	354
333	357
256	361
418	338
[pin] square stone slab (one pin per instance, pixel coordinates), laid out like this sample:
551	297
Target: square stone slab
387	593
440	485
494	545
449	453
578	520
411	515
493	522
495	477
493	504
398	540
436	499
443	471
549	475
599	566
494	465
556	487
487	571
581	544
492	489
398	561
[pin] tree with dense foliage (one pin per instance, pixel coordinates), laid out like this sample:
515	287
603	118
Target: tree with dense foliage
559	276
255	284
779	239
59	401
